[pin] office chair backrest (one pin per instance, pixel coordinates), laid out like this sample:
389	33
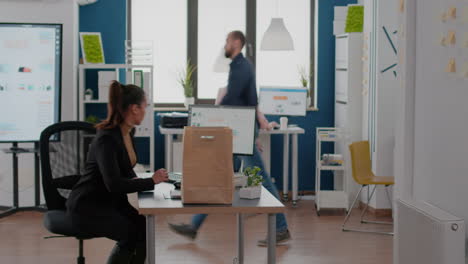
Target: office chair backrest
63	149
361	161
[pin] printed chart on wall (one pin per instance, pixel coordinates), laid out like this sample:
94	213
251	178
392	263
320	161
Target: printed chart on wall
30	66
240	119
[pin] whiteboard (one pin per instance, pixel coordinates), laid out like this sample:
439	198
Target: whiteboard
240	119
30	79
284	101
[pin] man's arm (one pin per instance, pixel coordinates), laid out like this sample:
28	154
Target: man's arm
252	98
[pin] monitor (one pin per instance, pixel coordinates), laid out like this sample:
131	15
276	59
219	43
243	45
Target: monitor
240	119
30	79
283	101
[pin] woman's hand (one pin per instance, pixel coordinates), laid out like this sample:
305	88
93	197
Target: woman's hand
272	125
160	176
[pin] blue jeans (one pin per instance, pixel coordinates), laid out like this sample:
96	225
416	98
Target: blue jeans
252	161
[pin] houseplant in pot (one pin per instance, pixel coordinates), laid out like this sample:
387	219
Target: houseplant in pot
253	188
305	78
186	80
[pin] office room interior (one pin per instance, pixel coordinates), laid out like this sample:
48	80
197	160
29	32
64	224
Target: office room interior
233	131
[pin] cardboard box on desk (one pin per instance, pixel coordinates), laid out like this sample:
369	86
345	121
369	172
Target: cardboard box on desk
207	166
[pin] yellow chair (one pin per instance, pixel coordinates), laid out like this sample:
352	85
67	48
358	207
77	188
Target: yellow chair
363	175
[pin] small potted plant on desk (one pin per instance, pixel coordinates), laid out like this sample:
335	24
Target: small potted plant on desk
253	189
185	79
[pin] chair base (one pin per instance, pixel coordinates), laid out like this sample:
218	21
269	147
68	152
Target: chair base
376	222
367	231
344	229
80	259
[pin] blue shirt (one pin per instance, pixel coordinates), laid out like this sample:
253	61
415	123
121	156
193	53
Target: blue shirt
241	89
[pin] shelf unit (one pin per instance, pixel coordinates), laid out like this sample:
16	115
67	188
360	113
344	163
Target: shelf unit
329	198
146	129
350	103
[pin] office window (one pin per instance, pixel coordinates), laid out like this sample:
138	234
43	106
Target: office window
281	68
165	23
216	18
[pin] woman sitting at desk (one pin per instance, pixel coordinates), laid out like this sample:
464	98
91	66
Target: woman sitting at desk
98	203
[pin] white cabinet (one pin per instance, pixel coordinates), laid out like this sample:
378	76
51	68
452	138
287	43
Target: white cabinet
348	103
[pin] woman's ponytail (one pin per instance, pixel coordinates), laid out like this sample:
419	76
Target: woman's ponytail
120	98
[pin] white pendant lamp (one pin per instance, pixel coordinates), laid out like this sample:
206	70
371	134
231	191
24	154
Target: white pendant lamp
222	63
277	37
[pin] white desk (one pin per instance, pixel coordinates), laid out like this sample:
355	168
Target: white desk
169	134
154	203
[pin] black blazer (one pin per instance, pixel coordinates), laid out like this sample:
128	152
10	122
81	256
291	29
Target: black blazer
108	177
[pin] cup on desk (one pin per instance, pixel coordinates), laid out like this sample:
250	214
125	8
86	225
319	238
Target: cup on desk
283	123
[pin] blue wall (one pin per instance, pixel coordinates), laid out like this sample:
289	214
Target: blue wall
108	17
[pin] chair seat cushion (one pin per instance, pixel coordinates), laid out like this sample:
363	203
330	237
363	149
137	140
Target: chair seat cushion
381	180
59	222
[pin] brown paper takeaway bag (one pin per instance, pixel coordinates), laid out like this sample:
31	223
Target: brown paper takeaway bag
207	169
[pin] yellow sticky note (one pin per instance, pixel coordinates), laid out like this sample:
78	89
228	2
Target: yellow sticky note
452	13
451	38
402	6
451	66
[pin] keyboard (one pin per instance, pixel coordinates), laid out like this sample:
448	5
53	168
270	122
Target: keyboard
175	176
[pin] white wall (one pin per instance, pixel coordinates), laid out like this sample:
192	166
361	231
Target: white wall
431	141
439	135
441	112
36	11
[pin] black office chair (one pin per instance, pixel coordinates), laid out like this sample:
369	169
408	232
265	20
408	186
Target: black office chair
63	150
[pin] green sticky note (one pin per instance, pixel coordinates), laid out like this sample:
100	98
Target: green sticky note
92	49
355	19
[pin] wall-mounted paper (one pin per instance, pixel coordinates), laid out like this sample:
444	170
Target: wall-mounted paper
451	66
355	19
451	38
452	12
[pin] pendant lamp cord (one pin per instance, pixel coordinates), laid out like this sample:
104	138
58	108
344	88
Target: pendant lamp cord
277	8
